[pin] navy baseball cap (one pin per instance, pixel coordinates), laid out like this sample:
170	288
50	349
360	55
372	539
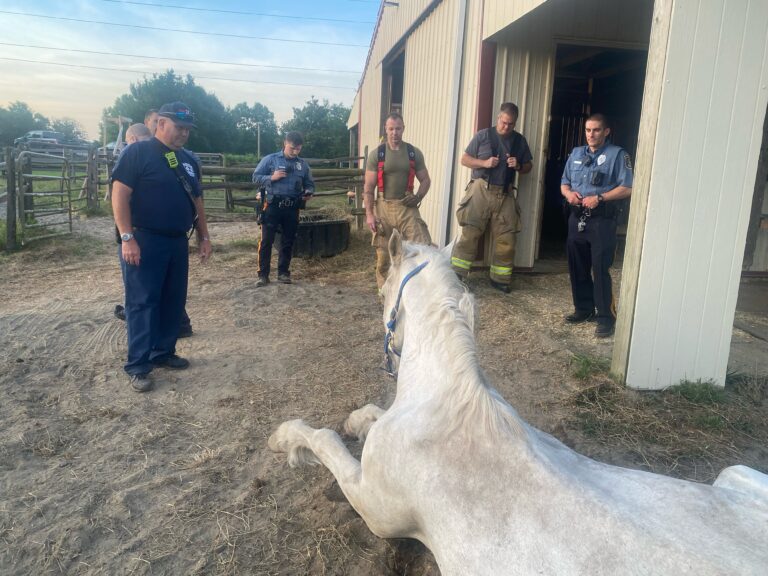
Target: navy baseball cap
179	113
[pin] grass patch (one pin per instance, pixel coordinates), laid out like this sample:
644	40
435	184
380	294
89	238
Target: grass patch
584	367
243	244
698	392
95	211
691	430
4	235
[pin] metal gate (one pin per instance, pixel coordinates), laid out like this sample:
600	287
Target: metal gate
50	187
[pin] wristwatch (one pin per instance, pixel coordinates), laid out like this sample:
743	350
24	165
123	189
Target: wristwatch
600	198
127	237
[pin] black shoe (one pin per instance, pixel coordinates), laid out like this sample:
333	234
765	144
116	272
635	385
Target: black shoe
604	330
120	312
185	332
579	317
506	288
141	382
262	281
172	361
284	278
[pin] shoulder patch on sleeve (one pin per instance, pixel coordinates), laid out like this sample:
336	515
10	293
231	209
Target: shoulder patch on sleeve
627	162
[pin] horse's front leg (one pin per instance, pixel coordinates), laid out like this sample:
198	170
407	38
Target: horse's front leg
360	421
307	445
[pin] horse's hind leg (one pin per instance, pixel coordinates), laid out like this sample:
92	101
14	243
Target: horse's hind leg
744	479
360	421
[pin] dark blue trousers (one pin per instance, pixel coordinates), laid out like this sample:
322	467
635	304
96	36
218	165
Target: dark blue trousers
274	218
590	256
155	296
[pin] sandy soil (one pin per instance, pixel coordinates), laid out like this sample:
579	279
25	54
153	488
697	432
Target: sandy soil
97	479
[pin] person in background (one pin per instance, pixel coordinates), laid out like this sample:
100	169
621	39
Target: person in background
391	169
495	155
287	182
595	177
156	201
144	132
136	133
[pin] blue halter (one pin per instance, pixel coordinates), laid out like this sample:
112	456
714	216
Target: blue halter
388	346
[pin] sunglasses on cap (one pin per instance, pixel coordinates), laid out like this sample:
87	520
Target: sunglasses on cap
184	115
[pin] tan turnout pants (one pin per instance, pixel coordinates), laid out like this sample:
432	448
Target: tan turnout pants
480	205
391	215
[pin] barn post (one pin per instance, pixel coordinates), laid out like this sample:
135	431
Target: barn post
10	213
700	138
25	187
91	180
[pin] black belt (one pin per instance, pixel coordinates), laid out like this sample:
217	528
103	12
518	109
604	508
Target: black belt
166	233
285	202
505	189
602	210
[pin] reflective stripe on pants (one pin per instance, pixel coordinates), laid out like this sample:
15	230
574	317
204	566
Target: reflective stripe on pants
483	205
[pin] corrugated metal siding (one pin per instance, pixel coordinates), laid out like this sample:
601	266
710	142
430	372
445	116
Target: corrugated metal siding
395	22
760	262
467	105
525	77
427	103
499	13
709	135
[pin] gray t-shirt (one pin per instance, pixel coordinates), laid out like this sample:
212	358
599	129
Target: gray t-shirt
481	147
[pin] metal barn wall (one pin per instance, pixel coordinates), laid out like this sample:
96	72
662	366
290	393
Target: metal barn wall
465	123
713	100
430	92
394	24
497	14
430	103
525	71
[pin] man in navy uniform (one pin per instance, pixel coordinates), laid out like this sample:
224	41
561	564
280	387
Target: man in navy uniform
156	200
595	177
287	181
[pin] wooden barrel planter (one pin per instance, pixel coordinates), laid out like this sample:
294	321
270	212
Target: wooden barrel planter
319	235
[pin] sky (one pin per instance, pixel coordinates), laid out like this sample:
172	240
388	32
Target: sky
72	59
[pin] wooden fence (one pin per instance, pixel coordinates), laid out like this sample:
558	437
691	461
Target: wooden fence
83	180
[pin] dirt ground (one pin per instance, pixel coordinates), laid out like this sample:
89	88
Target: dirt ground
97	479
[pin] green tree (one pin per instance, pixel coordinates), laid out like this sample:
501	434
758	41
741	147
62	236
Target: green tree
17	120
324	127
214	127
71	129
253	124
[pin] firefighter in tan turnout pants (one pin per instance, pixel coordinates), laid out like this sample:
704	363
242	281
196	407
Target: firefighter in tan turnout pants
495	156
392	169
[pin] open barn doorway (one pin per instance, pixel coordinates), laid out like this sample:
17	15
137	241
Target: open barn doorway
588	79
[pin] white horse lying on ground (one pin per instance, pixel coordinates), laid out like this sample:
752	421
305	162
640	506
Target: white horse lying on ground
453	465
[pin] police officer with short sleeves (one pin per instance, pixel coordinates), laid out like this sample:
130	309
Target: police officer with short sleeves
156	200
595	177
287	181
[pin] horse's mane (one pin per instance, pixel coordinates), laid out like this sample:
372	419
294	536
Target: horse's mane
446	311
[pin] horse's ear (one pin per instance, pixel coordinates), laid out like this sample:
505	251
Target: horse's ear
448	250
396	248
467	307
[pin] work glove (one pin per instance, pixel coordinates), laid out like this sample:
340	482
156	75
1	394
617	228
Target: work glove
412	200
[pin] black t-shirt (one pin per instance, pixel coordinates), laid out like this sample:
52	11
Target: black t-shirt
159	201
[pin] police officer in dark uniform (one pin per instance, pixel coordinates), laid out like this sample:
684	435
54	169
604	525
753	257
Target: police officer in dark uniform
287	181
595	177
156	200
